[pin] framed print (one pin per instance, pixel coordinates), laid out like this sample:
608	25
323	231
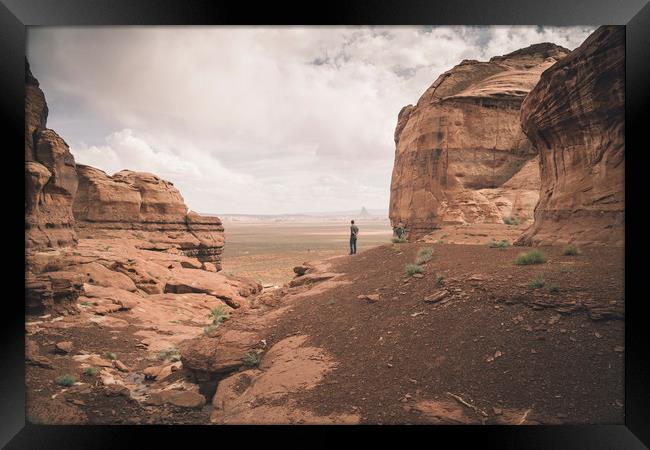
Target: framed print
397	217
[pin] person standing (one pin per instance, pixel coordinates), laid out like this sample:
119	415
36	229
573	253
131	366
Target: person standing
354	231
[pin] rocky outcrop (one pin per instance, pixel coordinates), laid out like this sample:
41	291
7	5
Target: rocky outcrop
145	208
462	139
50	176
575	118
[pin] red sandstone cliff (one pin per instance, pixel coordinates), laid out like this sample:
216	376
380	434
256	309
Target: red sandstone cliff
462	142
575	118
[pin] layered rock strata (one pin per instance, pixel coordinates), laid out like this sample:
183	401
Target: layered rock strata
575	117
463	139
146	209
50	176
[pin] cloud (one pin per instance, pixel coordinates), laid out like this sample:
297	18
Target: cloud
254	119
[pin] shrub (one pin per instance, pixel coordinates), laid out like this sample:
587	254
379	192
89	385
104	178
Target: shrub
501	244
171	353
424	255
412	269
537	282
218	315
251	359
512	221
91	371
66	380
110	355
530	257
397	240
440	281
571	250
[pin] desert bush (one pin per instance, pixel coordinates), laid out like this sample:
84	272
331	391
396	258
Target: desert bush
440	281
412	269
500	244
512	221
91	371
171	354
570	250
218	315
110	355
537	282
251	359
530	257
424	255
66	380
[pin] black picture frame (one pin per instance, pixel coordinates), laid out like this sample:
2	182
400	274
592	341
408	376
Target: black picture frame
16	15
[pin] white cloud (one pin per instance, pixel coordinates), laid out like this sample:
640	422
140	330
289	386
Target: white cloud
261	119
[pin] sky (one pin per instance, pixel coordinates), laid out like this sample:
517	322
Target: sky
254	120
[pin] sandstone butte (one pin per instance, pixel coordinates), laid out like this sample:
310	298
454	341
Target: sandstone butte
130	232
461	155
575	117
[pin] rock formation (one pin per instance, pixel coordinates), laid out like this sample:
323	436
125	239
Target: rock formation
50	176
111	240
463	141
143	207
575	118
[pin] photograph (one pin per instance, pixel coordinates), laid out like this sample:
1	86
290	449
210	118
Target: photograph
325	225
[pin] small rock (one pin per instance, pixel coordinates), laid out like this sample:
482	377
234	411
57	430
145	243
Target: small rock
119	365
371	298
434	298
619	349
418	275
63	347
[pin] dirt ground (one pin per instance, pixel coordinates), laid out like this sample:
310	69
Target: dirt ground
492	344
492	349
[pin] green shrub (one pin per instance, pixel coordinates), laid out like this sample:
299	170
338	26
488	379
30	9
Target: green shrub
530	257
412	269
91	371
570	250
397	240
218	315
440	281
171	354
424	255
537	282
251	359
439	241
500	244
110	355
512	221
66	380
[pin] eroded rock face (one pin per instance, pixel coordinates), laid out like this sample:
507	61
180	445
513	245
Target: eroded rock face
463	139
50	176
575	118
143	207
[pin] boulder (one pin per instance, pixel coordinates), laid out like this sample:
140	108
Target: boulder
183	399
218	353
64	347
575	117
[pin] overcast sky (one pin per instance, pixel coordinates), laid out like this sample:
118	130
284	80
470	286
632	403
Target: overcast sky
260	120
